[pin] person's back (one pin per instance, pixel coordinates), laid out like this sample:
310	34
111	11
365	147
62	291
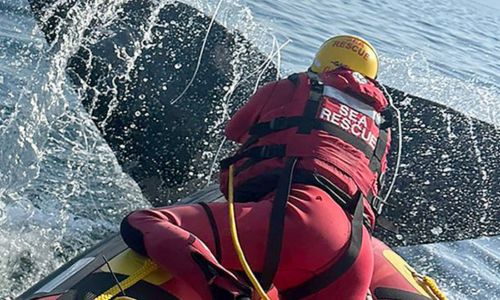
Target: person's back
344	139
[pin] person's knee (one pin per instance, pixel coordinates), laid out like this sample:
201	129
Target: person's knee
132	236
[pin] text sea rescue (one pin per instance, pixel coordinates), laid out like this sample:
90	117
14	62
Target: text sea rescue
351	121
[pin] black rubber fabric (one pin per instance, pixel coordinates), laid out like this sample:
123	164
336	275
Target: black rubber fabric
327	277
132	237
215	230
277	224
395	294
378	154
97	283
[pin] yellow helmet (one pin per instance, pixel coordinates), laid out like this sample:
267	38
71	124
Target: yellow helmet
347	51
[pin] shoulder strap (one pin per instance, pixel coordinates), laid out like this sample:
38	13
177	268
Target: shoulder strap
312	106
277	224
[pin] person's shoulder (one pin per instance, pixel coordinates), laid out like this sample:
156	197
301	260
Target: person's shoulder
290	81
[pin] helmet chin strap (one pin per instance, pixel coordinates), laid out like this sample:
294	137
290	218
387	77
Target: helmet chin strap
400	142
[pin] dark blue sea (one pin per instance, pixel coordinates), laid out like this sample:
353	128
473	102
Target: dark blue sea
62	190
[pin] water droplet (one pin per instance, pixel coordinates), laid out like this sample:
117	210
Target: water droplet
137	113
432	208
164	87
399	237
177	66
437	230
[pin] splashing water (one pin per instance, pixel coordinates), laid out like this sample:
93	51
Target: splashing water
61	188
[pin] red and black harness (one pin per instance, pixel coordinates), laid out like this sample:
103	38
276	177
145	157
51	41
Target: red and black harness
282	179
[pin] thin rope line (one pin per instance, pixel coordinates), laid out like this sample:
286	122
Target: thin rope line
400	144
266	62
200	57
209	181
114	276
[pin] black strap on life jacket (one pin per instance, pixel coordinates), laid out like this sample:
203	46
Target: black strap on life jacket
260	152
277	224
327	277
283	123
215	230
312	106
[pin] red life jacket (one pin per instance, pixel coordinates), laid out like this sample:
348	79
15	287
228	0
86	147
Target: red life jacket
336	129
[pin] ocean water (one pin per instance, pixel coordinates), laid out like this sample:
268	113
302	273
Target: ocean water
61	189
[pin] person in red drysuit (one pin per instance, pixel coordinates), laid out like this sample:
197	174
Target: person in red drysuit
306	183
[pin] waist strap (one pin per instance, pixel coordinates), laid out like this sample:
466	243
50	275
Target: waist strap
260	152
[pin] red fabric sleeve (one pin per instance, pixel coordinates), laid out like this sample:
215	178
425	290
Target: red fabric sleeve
245	117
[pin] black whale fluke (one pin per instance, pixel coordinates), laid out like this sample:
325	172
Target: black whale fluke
448	188
142	61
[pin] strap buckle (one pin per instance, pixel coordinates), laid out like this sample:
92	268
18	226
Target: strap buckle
377	204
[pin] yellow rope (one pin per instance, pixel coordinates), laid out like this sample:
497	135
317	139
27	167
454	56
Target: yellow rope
236	242
146	269
432	285
429	284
